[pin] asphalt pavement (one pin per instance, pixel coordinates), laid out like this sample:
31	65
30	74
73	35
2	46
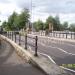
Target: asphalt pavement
60	52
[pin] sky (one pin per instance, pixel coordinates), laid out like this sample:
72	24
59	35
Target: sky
40	9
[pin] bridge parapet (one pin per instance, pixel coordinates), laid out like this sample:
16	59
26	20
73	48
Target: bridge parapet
45	64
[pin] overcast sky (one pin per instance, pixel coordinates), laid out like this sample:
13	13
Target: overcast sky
41	9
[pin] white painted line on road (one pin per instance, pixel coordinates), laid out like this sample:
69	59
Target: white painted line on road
71	45
44	55
57	48
53	60
68	69
48	57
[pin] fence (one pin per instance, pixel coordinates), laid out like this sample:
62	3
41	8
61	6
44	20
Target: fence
58	34
17	37
65	35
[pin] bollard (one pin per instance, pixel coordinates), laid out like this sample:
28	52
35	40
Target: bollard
66	35
0	42
63	35
56	34
26	42
15	36
36	39
59	35
74	35
71	35
8	34
19	39
12	35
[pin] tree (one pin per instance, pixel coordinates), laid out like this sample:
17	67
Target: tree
22	19
17	21
50	19
65	25
38	25
72	27
55	22
10	23
57	25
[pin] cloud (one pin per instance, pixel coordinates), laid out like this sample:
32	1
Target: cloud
41	9
67	17
56	6
23	3
4	1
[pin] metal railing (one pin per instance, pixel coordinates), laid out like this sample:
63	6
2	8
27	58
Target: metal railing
65	35
16	37
58	34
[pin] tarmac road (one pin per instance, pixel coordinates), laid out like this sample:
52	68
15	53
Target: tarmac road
60	52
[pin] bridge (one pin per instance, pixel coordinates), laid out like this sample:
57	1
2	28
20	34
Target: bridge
57	52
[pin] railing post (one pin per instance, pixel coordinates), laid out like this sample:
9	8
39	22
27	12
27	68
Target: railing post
63	35
66	35
26	42
12	35
56	34
15	36
71	35
59	35
74	35
19	39
8	34
36	39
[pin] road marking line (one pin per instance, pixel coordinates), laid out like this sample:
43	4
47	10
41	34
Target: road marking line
44	55
58	49
68	69
71	45
53	60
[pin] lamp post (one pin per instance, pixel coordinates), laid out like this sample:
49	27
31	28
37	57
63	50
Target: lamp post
32	13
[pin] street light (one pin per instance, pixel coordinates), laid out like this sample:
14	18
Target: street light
32	13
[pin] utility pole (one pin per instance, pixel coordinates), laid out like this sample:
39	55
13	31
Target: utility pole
32	13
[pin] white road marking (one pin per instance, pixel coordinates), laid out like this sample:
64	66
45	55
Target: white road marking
57	48
53	61
70	45
44	55
68	69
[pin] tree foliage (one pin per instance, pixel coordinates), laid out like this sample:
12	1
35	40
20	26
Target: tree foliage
38	25
65	25
72	27
17	21
54	21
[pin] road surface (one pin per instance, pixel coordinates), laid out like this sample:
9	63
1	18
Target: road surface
60	52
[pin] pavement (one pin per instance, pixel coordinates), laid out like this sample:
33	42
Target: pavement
12	64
